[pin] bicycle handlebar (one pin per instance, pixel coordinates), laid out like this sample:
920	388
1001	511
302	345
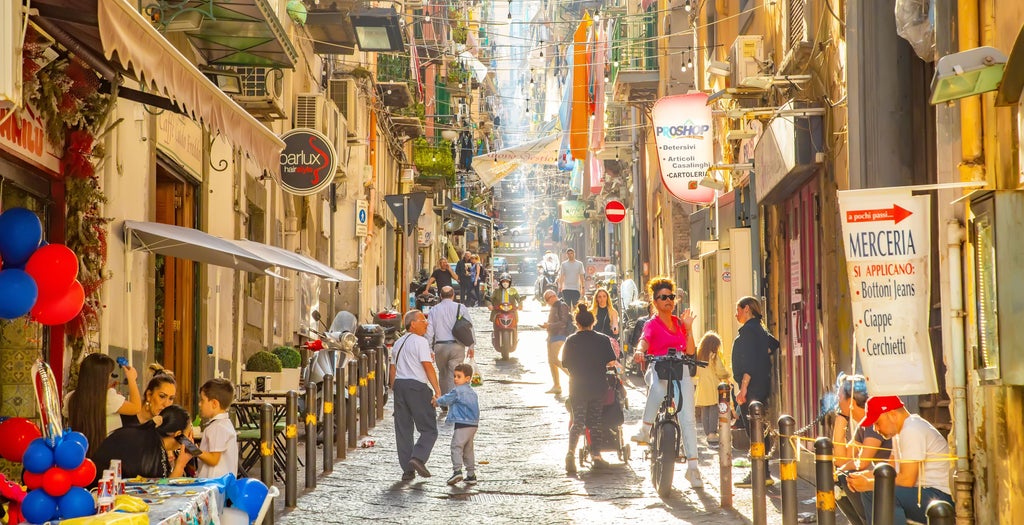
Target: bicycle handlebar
676	356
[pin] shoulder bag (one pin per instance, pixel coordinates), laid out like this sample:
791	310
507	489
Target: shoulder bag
462	330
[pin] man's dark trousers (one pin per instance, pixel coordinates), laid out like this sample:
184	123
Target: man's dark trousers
412	407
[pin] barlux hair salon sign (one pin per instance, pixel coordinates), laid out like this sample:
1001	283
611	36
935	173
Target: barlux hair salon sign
682	132
887	238
308	162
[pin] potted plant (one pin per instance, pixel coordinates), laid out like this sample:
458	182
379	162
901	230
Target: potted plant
262	371
291	362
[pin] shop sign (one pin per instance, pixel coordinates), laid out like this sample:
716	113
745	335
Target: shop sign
181	139
888	244
684	138
308	161
24	135
572	212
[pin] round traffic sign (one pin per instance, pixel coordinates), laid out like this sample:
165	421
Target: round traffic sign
615	211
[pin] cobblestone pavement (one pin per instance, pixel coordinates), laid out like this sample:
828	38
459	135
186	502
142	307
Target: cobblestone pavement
520	448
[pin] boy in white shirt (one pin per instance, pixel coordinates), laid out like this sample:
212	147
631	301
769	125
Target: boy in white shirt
220	441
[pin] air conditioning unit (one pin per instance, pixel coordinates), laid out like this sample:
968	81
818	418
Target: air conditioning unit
344	92
746	57
262	92
10	46
316	111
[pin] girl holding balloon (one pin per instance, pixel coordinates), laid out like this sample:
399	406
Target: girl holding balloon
95	407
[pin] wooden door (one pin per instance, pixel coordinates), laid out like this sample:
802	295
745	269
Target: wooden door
174	323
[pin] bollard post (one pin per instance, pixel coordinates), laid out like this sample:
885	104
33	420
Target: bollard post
339	416
267	444
291	433
884	494
725	444
350	410
825	483
371	392
382	379
328	423
758	473
311	436
787	469
364	405
940	512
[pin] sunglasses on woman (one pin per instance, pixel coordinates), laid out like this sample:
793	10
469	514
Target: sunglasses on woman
670	297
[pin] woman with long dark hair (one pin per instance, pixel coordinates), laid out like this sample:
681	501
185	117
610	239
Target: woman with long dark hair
159	394
94	407
586	356
143	450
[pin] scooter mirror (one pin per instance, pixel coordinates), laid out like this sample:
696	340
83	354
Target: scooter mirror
316	315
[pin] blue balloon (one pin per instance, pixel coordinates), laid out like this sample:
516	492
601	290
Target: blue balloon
68	454
76	503
77	437
22	234
39	507
19	292
38	457
248	494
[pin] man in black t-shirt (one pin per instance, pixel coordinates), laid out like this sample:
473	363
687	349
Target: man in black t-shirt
442	275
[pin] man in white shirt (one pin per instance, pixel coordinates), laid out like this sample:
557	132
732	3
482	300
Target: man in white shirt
571	279
413	382
448	353
921	455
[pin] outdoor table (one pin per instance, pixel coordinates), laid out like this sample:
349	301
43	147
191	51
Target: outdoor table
179	501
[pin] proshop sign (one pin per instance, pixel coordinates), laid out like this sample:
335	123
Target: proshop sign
683	135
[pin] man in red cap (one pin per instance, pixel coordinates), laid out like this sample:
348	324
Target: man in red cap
921	455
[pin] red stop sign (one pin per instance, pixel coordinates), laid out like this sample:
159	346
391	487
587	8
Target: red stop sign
615	211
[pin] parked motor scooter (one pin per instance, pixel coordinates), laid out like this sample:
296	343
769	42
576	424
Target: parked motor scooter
505	335
548	278
331	351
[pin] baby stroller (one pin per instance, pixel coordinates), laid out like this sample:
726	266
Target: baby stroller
608	436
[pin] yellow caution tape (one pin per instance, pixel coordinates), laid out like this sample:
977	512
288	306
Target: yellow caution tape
371	375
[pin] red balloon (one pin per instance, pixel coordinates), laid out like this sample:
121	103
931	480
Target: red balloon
54	267
84	474
33	480
56	482
15	435
57	310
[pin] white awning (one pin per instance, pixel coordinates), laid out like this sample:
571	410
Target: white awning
493	166
283	258
193	245
162	68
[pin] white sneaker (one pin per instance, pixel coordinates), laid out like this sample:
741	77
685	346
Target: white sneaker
643	436
693	476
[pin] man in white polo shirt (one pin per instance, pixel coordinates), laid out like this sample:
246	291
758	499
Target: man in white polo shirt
922	460
571	279
413	381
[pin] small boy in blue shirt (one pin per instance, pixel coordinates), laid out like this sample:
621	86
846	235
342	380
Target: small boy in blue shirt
464	412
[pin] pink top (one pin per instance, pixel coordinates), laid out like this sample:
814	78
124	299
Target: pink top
660	339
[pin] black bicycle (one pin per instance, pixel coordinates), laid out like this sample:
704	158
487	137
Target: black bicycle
664	444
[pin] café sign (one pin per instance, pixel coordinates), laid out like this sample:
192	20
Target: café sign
24	135
308	161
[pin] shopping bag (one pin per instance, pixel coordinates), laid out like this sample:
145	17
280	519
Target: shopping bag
477	379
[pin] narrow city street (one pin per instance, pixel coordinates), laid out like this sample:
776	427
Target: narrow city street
520	449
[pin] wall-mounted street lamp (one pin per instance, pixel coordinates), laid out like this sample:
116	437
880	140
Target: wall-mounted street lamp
377	29
967	73
229	82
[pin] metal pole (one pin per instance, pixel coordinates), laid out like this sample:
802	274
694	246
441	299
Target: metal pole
328	423
311	436
826	496
940	513
350	410
885	494
341	451
758	471
787	469
364	405
267	444
725	444
382	379
371	392
291	433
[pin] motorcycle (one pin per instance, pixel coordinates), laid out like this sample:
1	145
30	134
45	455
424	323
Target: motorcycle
548	278
427	300
391	320
330	352
505	335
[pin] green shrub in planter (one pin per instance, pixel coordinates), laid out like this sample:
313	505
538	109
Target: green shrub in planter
289	356
263	361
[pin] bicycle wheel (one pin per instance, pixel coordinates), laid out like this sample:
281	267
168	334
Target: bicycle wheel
663	459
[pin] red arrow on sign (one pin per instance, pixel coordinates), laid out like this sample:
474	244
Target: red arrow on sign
894	214
615	211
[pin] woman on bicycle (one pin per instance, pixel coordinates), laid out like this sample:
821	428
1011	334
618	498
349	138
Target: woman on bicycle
605	315
586	356
662	332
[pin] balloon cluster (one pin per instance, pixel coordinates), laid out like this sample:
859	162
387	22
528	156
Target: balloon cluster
36	278
56	477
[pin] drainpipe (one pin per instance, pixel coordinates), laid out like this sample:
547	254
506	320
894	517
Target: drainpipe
972	167
963	484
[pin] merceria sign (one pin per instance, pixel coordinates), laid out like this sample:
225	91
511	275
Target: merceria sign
682	132
308	161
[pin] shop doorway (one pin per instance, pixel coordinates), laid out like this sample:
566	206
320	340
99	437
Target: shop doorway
174	323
